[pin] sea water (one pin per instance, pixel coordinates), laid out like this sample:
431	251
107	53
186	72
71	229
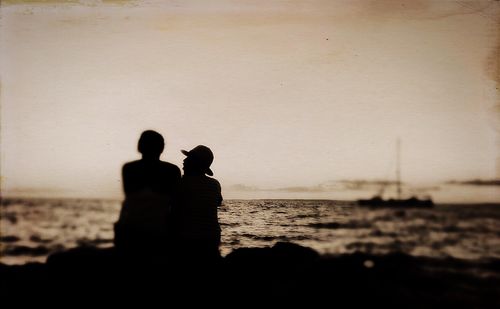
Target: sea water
31	229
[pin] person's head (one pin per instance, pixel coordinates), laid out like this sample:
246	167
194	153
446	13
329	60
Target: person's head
151	144
198	161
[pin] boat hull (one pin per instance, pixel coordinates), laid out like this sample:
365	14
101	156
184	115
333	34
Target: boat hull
392	203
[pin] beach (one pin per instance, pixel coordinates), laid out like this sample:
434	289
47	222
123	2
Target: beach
285	250
140	137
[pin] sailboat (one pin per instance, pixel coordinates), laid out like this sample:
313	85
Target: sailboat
378	201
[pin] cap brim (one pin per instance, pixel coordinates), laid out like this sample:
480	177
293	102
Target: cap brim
185	152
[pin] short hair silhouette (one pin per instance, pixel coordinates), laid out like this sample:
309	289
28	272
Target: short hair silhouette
151	143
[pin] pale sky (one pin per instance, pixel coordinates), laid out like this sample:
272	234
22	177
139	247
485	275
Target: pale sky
285	93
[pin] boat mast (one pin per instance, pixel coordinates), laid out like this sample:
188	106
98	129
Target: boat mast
398	168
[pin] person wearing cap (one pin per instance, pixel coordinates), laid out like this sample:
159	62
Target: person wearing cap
149	185
197	231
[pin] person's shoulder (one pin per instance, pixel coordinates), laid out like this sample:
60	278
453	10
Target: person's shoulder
215	184
213	180
166	164
169	166
131	164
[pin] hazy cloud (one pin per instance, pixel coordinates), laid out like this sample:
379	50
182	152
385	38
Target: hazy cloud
329	186
477	182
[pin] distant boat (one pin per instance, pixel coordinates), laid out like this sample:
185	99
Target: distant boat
412	202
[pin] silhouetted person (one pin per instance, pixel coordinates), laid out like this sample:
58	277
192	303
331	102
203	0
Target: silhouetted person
149	185
197	231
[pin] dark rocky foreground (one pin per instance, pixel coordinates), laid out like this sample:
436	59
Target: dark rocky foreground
285	274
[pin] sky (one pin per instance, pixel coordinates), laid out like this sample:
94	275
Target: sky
291	96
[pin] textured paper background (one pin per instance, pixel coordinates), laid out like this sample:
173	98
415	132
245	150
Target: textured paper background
292	96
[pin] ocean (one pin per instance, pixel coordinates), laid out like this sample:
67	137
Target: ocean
31	229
